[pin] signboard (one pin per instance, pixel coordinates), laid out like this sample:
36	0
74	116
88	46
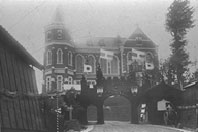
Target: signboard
161	105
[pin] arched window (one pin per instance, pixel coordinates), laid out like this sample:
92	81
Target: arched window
48	83
103	65
59	56
49	57
79	64
59	82
149	57
115	65
92	61
70	80
70	58
129	60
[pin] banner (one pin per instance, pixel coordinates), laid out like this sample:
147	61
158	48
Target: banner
108	55
138	55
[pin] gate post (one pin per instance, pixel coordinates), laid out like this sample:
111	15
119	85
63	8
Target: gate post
84	115
100	114
134	112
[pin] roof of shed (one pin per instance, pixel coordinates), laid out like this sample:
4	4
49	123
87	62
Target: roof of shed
17	48
164	91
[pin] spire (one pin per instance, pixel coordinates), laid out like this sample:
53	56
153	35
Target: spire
58	16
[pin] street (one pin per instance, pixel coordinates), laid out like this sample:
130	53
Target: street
116	126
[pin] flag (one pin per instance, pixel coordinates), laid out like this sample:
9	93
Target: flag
149	66
138	55
108	55
87	68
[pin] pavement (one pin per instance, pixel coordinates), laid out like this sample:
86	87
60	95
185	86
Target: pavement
116	126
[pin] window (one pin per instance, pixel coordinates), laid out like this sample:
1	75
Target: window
70	58
60	34
103	65
109	67
129	60
78	82
49	35
59	56
49	57
59	82
115	65
79	64
70	80
149	57
91	62
48	83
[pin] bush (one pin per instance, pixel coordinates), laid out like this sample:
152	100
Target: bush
72	125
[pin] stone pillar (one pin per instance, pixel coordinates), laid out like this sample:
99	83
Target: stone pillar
100	114
134	112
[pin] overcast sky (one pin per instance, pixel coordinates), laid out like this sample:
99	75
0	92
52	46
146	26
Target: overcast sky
25	21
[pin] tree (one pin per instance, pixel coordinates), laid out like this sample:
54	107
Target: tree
179	20
99	76
166	71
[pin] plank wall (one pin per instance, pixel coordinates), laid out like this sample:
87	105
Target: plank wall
18	114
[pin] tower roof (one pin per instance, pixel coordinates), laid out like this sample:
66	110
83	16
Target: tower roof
58	15
138	33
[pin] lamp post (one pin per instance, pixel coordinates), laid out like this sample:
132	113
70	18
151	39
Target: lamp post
99	91
134	90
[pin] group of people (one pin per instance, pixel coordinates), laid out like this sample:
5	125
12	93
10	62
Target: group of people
170	116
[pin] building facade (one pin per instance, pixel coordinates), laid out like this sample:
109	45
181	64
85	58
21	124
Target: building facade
64	60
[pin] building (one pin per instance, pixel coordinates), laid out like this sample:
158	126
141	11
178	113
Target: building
20	109
64	60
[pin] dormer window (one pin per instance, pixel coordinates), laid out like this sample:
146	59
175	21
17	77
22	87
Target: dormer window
60	34
49	34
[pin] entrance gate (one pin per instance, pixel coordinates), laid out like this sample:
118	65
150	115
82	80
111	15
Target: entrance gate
103	90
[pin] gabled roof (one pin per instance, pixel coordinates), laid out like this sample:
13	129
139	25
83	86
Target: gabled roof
139	39
138	33
8	41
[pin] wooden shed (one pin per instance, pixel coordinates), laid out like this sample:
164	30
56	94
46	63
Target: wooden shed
19	107
189	107
157	93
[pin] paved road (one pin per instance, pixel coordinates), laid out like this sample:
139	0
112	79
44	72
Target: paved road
116	126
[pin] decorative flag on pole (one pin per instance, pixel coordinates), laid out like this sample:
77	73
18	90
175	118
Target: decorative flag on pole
108	55
87	68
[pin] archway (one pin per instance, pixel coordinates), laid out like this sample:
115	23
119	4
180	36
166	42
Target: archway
92	113
117	108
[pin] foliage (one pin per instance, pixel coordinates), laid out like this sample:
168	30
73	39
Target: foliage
99	76
179	19
166	70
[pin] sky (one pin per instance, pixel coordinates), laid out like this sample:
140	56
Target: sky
25	20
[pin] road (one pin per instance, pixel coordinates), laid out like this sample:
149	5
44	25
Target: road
116	126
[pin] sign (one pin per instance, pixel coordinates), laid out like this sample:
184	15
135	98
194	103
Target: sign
161	105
